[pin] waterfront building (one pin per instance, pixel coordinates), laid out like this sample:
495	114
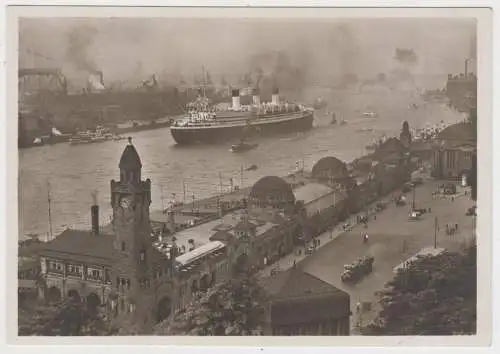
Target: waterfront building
453	151
124	268
299	303
137	272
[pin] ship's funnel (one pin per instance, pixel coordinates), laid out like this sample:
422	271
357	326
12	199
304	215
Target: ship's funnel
256	96
276	96
236	100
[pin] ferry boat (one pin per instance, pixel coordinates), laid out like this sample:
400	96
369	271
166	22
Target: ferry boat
205	123
88	137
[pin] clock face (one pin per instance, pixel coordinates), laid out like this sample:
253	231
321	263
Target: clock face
126	202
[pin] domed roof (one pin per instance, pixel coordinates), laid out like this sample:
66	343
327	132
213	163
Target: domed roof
272	187
389	147
329	166
459	131
130	159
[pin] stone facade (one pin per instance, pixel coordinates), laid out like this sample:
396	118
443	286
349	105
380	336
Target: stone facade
453	151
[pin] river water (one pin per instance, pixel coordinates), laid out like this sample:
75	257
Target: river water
74	172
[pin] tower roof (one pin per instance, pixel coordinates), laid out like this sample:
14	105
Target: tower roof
130	158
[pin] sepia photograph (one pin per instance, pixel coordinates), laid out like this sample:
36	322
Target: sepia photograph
248	175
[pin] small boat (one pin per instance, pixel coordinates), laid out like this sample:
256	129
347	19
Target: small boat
251	168
320	103
365	130
242	147
370	114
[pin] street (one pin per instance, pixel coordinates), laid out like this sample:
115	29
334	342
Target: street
393	238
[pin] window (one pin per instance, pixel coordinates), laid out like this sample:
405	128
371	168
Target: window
123	246
143	256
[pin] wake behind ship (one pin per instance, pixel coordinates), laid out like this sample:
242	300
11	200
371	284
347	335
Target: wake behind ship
205	123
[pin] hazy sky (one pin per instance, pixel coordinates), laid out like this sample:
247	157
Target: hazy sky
130	48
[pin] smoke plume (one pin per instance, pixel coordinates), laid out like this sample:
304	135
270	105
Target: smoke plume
79	43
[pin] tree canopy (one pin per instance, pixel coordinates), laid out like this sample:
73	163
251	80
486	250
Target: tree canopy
434	296
231	308
65	318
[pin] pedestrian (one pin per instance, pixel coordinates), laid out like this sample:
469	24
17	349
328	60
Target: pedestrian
319	242
456	227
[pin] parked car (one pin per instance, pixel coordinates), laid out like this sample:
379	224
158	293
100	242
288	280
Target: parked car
471	211
450	189
417	181
407	188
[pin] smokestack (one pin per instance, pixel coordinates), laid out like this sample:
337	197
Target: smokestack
466	62
256	97
101	77
276	96
94	214
236	100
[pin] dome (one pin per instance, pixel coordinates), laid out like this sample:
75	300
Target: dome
389	147
272	191
329	167
459	131
130	159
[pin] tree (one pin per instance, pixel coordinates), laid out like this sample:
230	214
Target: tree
65	318
472	177
434	296
231	308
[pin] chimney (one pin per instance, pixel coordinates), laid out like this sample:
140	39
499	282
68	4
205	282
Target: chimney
171	221
466	62
256	96
276	96
101	77
236	100
94	215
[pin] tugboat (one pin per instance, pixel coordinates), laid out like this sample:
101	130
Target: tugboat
242	147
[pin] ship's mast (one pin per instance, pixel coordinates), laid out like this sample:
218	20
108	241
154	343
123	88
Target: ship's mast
49	210
204	79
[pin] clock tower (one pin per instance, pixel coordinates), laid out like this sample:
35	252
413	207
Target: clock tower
132	273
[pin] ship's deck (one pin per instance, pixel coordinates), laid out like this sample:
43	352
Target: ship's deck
243	121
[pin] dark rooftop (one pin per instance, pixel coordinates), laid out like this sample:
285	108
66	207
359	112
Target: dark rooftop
130	159
330	165
81	245
460	131
272	186
299	297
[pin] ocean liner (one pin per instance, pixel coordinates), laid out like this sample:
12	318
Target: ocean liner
206	123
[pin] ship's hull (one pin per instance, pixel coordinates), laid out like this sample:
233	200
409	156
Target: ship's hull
225	133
